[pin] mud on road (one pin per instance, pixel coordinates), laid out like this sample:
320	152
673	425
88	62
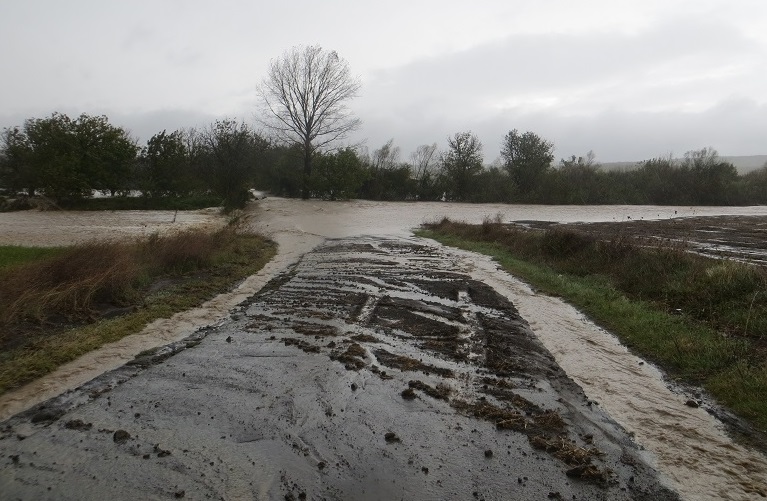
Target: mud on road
369	370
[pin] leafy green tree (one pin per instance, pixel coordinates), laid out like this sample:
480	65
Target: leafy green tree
106	153
165	165
54	157
305	96
231	150
577	181
712	180
338	175
461	163
68	158
16	172
658	181
527	158
281	170
754	186
491	185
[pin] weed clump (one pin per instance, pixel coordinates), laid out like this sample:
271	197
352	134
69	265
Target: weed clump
79	282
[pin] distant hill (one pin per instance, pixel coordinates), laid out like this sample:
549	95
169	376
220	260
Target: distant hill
744	164
747	163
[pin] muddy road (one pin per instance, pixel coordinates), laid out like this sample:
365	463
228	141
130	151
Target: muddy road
253	391
369	370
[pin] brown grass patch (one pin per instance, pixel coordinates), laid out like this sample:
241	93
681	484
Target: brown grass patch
68	285
56	308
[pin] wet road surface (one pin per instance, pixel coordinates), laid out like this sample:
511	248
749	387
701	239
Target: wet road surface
371	369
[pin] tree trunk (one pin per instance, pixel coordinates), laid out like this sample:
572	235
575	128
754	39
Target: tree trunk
307	171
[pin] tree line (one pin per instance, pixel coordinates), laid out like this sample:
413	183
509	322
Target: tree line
69	159
296	152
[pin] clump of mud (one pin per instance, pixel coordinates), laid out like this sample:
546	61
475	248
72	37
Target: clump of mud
301	344
312	329
353	358
440	392
405	363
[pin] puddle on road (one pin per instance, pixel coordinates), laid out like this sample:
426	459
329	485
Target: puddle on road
688	444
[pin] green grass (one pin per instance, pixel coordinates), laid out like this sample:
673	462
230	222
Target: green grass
58	318
13	255
606	282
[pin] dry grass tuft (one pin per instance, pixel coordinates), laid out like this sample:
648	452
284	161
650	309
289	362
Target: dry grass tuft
183	251
504	419
565	450
69	284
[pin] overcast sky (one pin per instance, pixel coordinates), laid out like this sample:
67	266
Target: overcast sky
627	79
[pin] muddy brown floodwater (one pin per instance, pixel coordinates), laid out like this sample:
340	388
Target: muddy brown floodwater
332	370
52	228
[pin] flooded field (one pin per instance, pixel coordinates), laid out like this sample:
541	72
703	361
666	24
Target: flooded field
688	446
739	237
54	228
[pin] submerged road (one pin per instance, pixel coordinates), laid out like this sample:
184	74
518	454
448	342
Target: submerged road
371	369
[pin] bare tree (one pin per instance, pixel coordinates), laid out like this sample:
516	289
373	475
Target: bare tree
305	97
423	161
386	157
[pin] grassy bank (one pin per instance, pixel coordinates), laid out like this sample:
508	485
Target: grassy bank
703	320
62	303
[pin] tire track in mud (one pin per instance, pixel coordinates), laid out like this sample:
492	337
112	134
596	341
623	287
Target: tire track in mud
369	370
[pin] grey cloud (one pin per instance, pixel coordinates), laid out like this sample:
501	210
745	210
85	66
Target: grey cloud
141	126
525	63
144	125
686	84
733	127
